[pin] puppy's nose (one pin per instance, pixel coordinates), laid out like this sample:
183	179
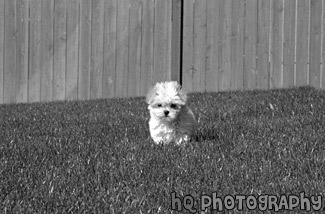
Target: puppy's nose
166	113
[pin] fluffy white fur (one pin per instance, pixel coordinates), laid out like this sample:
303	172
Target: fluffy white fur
170	119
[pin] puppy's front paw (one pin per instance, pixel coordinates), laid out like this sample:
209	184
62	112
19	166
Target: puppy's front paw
158	140
183	139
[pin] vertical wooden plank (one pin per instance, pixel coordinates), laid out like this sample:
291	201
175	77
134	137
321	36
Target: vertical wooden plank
211	76
134	57
22	50
224	45
122	48
34	80
263	44
160	41
110	16
168	53
237	45
315	41
276	49
200	30
71	92
97	51
176	40
289	43
60	43
323	48
147	45
250	48
2	24
188	38
84	50
302	42
10	52
47	50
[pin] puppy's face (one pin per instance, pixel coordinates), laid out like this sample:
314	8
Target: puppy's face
166	100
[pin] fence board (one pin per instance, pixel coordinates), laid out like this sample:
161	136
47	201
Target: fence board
168	54
10	52
302	42
47	24
147	46
250	47
187	61
2	30
134	74
323	49
97	51
224	45
315	41
60	37
200	30
160	41
122	48
176	40
276	47
237	45
262	63
109	79
211	75
22	51
71	85
289	43
35	52
84	50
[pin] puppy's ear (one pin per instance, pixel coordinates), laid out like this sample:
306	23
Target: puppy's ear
181	92
151	94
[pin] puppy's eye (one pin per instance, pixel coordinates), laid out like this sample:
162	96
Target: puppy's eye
173	105
159	105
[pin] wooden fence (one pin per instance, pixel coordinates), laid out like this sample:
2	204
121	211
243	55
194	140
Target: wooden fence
84	49
253	44
87	49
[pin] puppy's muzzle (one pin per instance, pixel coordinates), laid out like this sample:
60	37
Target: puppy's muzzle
166	113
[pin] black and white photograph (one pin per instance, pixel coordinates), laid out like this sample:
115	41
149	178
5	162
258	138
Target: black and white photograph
162	106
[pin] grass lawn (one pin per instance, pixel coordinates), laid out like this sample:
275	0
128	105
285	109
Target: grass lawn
97	156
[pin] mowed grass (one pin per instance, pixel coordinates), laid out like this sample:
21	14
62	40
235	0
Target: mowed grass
97	156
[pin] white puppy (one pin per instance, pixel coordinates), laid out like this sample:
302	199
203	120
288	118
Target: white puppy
170	119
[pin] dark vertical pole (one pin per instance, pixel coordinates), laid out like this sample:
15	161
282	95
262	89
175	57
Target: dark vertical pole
176	43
